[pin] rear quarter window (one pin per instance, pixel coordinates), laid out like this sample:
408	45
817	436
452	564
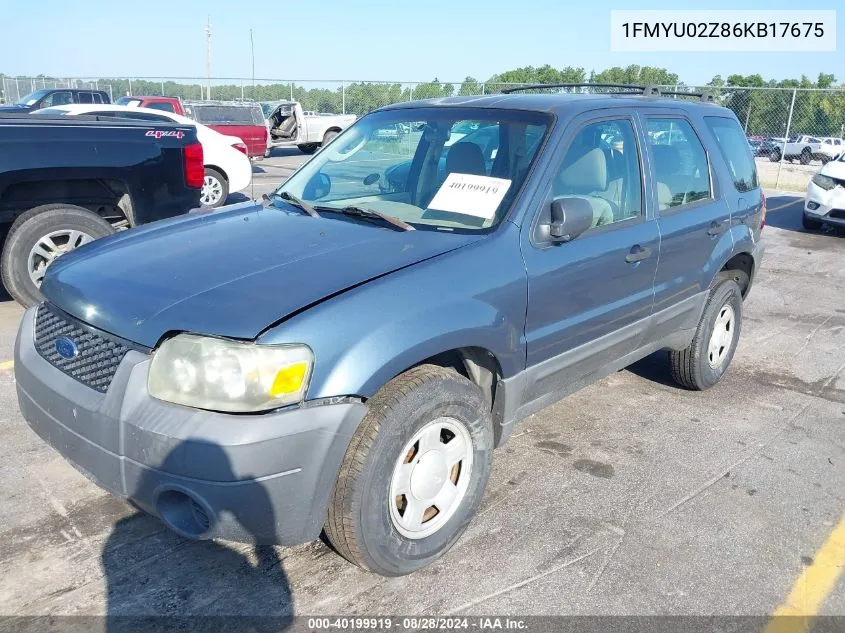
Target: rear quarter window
734	149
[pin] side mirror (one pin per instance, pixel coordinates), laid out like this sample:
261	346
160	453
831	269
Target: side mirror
570	216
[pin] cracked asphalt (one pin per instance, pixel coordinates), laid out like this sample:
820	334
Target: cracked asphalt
630	497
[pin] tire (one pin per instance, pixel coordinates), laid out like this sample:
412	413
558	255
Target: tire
268	152
328	137
693	367
809	223
363	522
308	148
805	157
825	159
774	156
33	226
215	189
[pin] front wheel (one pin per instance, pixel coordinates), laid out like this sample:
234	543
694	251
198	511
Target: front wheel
215	189
774	156
704	362
37	238
414	472
307	148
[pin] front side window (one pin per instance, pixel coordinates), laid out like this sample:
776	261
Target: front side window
729	136
436	168
681	170
602	166
57	99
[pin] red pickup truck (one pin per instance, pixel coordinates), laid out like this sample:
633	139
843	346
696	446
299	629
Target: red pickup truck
244	120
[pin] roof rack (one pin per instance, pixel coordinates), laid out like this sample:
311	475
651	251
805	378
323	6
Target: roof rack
648	90
706	96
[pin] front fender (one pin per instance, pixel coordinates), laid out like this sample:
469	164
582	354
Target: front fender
366	336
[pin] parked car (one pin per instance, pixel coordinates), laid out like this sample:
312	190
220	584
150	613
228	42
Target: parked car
830	148
56	96
771	148
802	148
165	104
824	202
393	132
243	119
227	166
347	359
289	126
64	183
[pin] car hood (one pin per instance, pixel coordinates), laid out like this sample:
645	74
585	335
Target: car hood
834	169
232	273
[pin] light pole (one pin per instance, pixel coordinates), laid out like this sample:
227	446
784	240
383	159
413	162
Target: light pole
252	55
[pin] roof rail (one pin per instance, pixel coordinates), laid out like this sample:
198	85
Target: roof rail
706	96
649	90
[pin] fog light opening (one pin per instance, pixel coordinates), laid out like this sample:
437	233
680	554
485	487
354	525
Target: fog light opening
184	514
812	206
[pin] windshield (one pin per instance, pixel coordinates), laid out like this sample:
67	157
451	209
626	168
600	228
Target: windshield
407	164
31	98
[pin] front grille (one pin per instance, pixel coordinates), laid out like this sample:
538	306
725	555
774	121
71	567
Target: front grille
98	355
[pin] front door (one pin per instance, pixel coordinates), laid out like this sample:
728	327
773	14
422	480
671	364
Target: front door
589	300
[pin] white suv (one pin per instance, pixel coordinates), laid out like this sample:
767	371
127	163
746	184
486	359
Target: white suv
830	148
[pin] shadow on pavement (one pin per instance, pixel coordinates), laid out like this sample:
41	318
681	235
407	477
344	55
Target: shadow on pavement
190	585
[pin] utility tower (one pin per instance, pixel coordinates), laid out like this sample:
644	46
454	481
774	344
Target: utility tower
208	58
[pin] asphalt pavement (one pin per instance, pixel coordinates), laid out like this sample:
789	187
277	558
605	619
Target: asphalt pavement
630	497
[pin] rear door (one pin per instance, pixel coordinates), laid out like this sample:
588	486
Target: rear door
589	300
693	215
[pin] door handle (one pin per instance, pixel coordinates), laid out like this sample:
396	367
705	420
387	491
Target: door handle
637	254
716	228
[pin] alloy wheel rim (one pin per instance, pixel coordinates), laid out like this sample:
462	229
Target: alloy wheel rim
50	247
430	478
722	337
212	191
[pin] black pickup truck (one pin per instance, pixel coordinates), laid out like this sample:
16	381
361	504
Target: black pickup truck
65	183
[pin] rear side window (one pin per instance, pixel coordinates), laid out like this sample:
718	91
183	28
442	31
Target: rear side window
161	105
735	152
211	114
680	163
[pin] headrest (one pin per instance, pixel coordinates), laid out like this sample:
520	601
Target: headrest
585	171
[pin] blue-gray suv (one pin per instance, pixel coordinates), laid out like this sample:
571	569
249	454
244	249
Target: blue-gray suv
345	356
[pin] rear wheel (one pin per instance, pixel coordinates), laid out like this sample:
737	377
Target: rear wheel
704	362
215	189
40	236
414	472
805	156
809	223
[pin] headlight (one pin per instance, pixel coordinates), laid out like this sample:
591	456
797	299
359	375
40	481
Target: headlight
825	182
222	375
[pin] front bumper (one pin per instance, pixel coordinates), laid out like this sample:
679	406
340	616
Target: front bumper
252	478
831	204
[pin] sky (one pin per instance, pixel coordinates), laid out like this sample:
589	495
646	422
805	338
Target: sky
365	40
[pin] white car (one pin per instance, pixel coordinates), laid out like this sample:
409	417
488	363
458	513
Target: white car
227	167
825	199
831	148
289	125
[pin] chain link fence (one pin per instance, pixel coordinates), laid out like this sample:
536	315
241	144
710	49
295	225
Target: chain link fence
806	116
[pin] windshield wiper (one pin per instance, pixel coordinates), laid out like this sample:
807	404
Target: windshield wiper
292	199
361	212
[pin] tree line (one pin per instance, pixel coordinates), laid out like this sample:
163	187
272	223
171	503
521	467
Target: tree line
764	112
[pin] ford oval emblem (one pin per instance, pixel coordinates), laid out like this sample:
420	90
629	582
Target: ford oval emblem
66	347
